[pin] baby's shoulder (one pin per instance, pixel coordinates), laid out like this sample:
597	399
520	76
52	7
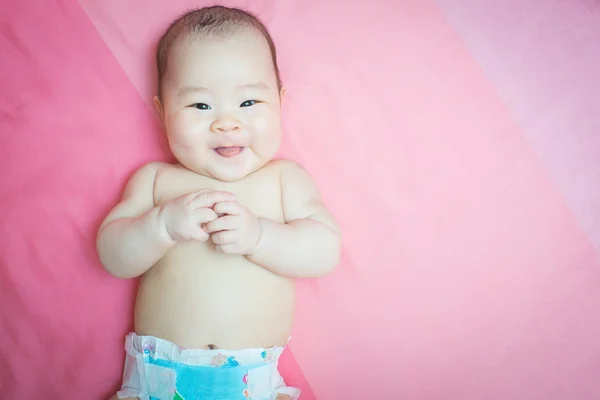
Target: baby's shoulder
285	166
290	170
154	168
145	176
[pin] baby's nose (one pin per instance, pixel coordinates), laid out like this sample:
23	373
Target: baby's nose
226	124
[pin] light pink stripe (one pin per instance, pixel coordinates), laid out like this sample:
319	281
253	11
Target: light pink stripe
543	58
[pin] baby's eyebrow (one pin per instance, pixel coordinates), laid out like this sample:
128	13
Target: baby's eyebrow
199	89
191	89
258	85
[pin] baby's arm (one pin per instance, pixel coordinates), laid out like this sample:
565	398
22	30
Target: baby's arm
309	243
129	240
136	233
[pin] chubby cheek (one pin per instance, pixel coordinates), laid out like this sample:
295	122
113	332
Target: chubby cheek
266	132
184	131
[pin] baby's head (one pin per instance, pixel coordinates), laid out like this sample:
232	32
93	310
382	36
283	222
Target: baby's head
219	92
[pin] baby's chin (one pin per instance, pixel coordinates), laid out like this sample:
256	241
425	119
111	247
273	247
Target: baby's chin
227	173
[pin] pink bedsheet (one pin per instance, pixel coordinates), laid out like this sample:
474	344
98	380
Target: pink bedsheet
458	145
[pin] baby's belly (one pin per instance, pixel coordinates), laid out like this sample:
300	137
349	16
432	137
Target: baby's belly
197	298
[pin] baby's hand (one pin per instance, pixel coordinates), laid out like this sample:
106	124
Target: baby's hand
236	231
183	217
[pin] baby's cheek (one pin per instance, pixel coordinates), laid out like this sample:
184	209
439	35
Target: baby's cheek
258	124
187	132
266	132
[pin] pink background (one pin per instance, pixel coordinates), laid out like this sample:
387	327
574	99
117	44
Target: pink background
457	143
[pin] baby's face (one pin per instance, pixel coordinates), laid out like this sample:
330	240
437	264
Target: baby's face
221	105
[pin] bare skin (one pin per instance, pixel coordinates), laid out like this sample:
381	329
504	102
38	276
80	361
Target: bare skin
213	300
209	298
219	238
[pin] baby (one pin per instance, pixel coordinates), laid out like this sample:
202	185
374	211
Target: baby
219	237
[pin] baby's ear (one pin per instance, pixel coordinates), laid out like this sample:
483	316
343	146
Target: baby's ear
282	94
159	108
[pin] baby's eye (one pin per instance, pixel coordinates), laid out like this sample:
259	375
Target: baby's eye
201	106
248	103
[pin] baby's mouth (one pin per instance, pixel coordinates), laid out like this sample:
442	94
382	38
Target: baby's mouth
229	151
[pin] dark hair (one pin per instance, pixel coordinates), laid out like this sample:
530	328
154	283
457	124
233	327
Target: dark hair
216	21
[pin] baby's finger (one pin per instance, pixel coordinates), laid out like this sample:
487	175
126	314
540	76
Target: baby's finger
224	237
225	223
204	215
227	249
199	235
228	207
209	199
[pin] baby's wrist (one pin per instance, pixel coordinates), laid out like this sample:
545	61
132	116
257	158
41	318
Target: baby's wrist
163	233
257	243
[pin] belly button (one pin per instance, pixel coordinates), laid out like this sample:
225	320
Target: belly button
211	347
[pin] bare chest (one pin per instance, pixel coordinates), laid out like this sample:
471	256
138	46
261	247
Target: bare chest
259	192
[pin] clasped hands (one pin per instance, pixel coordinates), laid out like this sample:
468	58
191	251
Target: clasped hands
211	215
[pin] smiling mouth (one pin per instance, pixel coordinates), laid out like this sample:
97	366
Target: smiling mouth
231	151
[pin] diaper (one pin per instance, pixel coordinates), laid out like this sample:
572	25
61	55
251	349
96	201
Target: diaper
156	369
